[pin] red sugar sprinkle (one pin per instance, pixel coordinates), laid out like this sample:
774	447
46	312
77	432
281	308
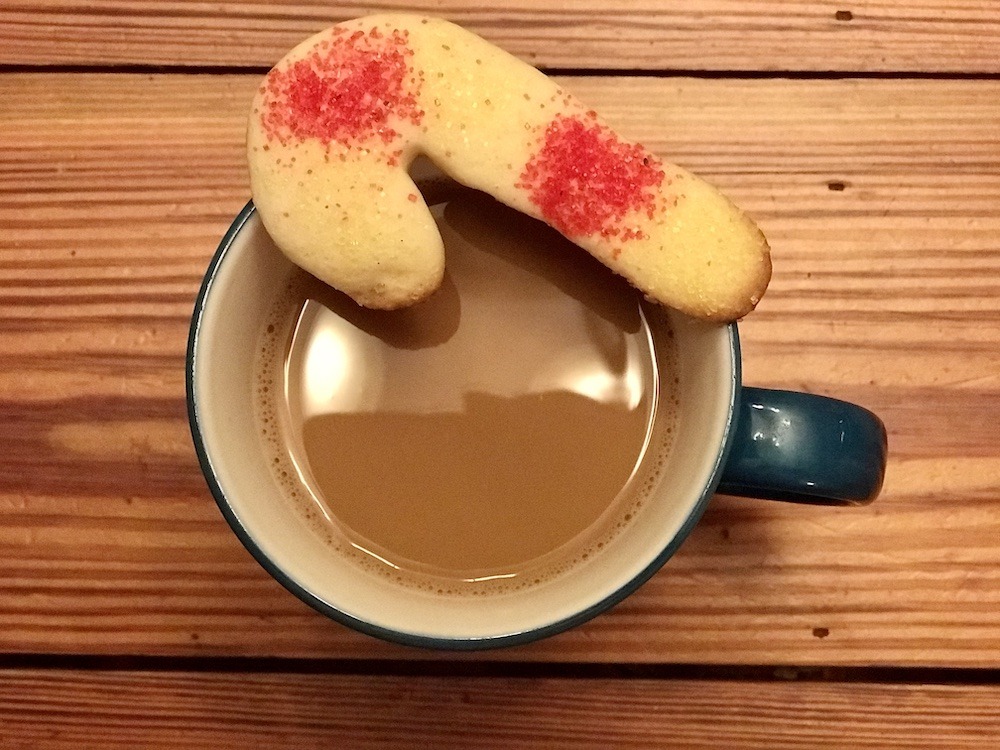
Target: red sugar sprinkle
585	180
347	89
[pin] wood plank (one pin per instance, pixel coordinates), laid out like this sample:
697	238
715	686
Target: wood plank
814	35
116	189
68	709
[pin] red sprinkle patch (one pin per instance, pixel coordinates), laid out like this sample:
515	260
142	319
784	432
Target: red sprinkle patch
346	90
585	179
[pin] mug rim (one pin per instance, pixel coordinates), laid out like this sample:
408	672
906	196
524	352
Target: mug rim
518	638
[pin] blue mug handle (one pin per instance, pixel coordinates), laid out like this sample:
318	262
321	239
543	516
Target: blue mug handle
804	448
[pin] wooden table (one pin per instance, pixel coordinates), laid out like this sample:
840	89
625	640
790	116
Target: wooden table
864	137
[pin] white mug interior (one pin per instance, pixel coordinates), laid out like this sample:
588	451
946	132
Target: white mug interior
246	272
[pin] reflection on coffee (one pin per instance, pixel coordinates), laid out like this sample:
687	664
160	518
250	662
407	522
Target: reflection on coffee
485	439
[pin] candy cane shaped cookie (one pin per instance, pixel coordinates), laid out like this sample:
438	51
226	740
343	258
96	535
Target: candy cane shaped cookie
337	122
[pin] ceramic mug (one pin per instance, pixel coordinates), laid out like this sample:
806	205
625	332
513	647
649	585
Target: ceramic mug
743	441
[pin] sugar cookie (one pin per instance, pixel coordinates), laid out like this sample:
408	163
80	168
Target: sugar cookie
337	122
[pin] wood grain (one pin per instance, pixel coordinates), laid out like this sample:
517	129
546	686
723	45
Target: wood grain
759	35
880	199
63	709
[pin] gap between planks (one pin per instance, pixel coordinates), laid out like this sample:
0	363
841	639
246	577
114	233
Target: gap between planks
695	73
482	667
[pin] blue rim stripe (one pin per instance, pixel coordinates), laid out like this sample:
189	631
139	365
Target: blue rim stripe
398	636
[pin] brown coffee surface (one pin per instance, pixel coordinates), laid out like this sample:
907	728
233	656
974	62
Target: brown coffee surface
497	424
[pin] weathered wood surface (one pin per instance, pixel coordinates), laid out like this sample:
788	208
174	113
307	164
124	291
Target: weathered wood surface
881	202
739	35
176	710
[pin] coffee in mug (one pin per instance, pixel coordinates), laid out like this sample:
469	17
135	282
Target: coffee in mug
485	439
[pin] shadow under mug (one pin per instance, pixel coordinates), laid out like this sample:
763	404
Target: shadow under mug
733	439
